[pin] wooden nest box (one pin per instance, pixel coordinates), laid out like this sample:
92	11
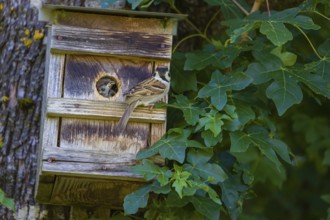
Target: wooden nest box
81	160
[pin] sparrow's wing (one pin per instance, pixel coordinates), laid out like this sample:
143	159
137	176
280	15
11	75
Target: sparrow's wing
147	87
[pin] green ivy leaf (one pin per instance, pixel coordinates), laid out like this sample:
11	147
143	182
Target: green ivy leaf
136	200
211	121
190	112
303	22
7	202
315	82
180	179
157	188
151	171
228	8
244	112
277	33
267	171
220	59
199	156
172	146
209	139
287	58
231	195
206	207
213	195
240	142
284	91
281	149
208	171
258	136
220	84
200	60
284	15
237	33
262	72
173	200
321	67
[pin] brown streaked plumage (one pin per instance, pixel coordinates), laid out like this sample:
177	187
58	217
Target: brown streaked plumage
145	93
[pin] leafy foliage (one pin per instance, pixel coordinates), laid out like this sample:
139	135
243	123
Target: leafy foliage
236	101
7	202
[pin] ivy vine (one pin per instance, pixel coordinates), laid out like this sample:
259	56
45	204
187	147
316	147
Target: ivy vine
231	93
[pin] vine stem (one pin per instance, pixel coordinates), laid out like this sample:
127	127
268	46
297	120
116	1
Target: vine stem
200	33
210	21
186	19
309	41
268	8
322	15
186	38
241	7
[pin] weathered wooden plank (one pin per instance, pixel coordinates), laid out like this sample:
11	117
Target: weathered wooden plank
52	154
84	72
99	135
115	23
157	131
55	75
49	126
54	84
71	191
90	109
92	170
70	39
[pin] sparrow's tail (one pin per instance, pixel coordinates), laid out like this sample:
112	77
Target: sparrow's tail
120	127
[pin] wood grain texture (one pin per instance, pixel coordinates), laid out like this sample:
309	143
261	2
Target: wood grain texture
157	131
87	156
98	135
49	126
54	87
70	39
91	109
89	170
115	23
55	75
71	191
82	73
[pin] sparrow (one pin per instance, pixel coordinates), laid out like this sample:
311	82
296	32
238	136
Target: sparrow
145	93
107	89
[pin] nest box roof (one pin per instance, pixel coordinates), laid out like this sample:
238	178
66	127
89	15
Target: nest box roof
45	12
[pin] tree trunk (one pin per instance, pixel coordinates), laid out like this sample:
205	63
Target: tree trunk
22	62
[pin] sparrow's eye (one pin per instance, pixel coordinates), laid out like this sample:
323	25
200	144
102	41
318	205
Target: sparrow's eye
107	86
